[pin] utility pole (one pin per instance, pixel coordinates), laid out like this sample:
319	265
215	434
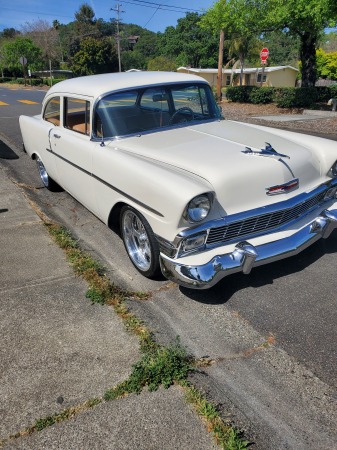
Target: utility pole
220	63
118	11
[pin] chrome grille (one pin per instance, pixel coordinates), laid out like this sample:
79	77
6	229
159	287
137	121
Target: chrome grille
262	223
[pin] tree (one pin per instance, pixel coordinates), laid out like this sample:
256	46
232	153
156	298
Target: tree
45	37
242	46
13	50
239	22
307	20
9	33
85	15
326	64
283	48
162	63
303	18
188	43
95	56
328	42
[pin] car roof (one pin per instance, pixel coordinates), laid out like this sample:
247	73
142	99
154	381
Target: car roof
97	85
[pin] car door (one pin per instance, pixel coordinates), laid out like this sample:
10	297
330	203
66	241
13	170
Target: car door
73	150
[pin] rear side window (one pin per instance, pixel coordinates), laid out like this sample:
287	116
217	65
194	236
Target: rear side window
77	115
52	111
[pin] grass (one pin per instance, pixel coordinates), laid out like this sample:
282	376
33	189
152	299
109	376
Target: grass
225	434
158	366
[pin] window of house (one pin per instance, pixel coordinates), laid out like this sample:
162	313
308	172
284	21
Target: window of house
259	78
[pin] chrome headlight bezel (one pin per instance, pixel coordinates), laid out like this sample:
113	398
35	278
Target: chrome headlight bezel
198	208
333	170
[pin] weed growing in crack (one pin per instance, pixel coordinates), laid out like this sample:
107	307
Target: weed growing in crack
226	436
159	366
100	290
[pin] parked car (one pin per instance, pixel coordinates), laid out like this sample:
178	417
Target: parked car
196	196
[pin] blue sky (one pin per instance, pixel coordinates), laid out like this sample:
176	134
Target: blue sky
154	15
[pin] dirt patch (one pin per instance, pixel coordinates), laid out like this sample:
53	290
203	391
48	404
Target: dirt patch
246	112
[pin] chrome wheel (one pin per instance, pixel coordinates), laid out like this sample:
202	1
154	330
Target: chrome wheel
48	182
140	242
43	173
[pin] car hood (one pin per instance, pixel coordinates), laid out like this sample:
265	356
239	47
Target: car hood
217	152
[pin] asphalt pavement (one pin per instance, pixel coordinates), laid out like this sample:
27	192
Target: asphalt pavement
58	351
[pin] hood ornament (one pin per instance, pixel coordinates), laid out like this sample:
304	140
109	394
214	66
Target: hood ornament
268	151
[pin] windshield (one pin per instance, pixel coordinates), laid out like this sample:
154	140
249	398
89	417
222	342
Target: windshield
143	110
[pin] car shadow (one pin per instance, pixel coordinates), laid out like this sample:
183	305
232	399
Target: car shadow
6	152
263	275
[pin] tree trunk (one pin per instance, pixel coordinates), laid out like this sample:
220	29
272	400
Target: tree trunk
308	58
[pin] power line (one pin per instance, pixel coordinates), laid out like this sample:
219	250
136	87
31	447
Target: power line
161	6
151	17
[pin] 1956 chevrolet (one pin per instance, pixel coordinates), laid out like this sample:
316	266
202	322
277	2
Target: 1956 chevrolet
195	196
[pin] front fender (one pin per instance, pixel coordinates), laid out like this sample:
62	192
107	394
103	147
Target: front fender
159	191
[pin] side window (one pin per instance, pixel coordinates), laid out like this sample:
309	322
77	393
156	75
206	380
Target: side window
52	111
77	115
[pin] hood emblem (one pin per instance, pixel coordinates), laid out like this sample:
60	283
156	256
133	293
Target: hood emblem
268	151
283	188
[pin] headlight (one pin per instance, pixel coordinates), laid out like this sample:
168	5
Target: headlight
333	170
198	208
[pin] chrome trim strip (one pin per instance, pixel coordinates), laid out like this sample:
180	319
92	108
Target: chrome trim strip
114	188
246	256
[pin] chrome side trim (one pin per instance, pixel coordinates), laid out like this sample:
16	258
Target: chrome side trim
246	256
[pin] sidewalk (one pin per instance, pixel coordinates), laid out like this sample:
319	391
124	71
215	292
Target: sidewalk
58	350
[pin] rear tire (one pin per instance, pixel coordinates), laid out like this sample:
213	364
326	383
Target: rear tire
47	181
140	242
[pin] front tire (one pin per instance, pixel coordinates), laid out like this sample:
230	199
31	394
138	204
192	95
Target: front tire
47	181
140	242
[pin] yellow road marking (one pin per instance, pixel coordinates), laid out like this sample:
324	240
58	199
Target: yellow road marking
28	102
4	104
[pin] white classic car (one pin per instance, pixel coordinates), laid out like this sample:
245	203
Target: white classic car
195	196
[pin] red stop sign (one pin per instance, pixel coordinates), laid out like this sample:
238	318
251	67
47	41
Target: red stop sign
264	55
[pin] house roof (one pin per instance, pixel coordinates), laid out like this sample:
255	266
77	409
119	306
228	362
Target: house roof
229	71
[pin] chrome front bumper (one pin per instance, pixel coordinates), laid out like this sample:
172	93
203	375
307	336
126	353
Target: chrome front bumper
246	256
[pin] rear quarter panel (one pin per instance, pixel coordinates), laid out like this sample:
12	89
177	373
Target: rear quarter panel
35	136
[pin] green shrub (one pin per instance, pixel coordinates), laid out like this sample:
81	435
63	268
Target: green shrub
323	94
333	91
5	80
262	95
295	97
240	94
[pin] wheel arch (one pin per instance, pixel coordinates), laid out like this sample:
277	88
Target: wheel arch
114	216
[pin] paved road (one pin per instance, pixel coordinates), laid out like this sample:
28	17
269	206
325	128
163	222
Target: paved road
291	304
